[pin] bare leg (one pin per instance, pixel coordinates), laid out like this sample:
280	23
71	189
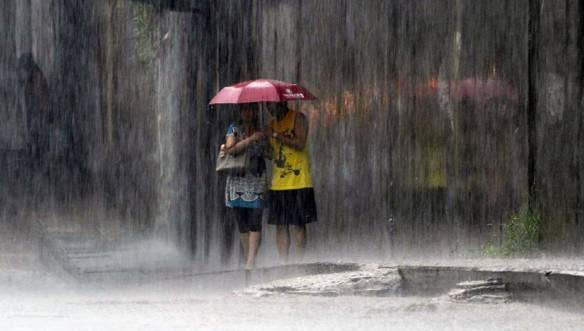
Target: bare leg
300	236
254	243
283	242
244	238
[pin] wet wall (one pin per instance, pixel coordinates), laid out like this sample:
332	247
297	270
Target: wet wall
435	120
559	123
432	120
49	110
79	131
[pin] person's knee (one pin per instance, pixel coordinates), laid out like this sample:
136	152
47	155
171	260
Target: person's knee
299	230
300	235
255	236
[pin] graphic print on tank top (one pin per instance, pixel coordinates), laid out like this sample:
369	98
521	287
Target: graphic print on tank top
291	166
283	155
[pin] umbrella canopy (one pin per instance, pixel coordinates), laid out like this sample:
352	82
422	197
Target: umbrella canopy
483	90
261	90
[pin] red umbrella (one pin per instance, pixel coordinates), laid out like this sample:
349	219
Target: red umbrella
483	90
261	90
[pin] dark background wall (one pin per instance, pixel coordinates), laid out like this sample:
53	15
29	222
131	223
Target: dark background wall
421	137
402	160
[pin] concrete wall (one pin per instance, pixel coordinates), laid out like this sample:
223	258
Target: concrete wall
405	157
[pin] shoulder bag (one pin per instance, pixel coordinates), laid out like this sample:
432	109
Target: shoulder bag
232	163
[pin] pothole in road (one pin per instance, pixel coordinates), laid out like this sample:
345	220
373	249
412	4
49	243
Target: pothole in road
373	280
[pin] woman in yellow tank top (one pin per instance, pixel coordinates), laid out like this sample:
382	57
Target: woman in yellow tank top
292	202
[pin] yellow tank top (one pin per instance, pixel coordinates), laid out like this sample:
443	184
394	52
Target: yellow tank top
291	166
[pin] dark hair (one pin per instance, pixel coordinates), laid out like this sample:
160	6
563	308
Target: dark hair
253	106
255	111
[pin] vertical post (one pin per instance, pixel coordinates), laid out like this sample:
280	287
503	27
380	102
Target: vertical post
457	41
455	122
7	37
532	98
23	31
107	71
580	117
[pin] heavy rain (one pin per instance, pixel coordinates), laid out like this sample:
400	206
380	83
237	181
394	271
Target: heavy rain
445	145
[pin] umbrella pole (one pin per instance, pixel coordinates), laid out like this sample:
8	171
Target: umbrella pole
262	119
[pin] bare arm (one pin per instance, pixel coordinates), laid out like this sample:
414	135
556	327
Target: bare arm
300	134
232	146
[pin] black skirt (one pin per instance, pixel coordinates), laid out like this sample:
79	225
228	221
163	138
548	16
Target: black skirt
292	207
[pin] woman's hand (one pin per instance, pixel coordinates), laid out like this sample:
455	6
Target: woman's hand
222	151
233	146
268	131
299	134
257	136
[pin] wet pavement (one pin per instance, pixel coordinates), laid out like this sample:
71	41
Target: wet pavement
34	297
180	305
